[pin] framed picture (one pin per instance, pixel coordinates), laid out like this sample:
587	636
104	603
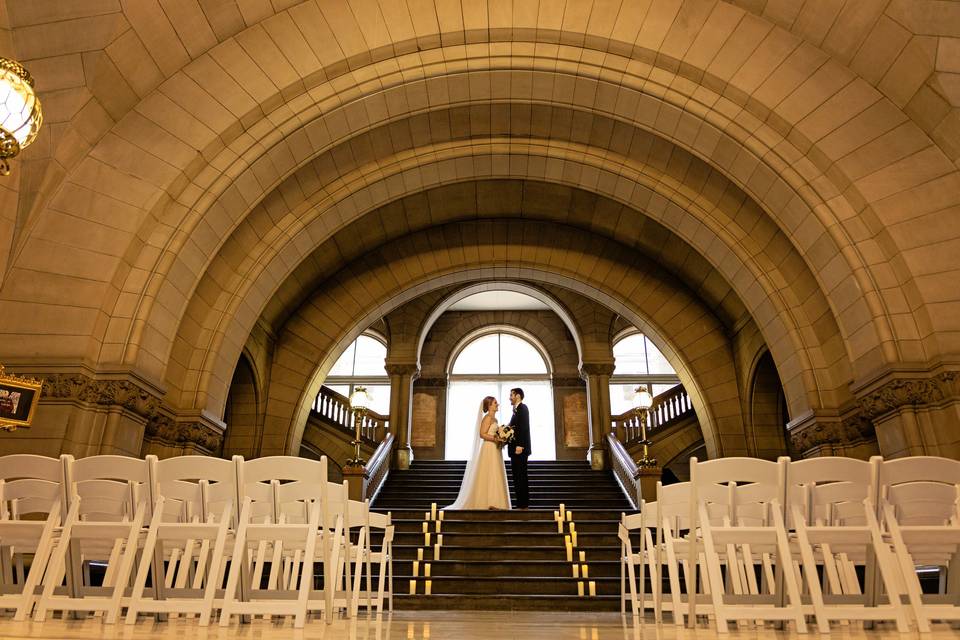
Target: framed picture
19	398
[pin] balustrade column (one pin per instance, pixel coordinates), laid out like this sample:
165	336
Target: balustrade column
597	375
401	400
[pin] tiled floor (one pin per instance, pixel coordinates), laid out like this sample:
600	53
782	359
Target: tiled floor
435	625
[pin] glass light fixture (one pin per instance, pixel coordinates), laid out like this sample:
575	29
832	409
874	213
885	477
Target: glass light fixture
360	399
644	401
360	402
20	112
643	398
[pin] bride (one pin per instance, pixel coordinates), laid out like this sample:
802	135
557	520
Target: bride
485	480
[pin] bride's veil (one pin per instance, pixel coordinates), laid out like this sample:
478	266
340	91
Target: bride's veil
470	472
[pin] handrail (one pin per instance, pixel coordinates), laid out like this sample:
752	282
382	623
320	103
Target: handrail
378	468
335	408
624	470
668	408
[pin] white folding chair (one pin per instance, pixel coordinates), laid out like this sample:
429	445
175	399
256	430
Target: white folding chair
31	508
920	499
193	510
383	559
752	529
108	502
293	488
832	510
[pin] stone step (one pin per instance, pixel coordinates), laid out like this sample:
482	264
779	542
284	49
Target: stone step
547	506
489	602
544	553
514	538
499	568
542	515
504	526
512	585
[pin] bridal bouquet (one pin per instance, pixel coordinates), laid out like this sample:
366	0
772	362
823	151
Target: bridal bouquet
504	433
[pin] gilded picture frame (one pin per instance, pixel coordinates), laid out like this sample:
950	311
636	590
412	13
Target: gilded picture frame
19	398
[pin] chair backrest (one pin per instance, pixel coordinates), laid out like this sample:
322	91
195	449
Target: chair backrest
193	486
924	490
30	485
287	483
737	490
335	503
831	490
636	520
109	487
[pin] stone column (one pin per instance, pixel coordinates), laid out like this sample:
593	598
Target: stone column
597	375
401	375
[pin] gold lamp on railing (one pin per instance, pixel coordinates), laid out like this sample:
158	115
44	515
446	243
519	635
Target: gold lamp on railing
644	401
360	401
20	112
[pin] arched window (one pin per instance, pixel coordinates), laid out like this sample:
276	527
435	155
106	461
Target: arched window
638	361
362	364
491	363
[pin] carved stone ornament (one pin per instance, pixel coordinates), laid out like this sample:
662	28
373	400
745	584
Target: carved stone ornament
912	391
846	431
166	429
123	393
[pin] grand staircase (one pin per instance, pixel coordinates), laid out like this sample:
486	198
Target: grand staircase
506	560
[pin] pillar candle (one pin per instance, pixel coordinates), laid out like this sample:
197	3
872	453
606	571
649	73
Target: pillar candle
593	588
416	568
436	551
583	556
559	526
429	587
425	527
579	588
420	554
438	526
573	527
439	539
433	510
426	515
569	552
563	510
585	571
576	571
413	587
440	515
569	516
426	539
573	538
426	570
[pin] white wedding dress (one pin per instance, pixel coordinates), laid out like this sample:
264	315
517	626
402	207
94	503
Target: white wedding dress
485	479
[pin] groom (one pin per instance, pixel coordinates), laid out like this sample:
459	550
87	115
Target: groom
519	447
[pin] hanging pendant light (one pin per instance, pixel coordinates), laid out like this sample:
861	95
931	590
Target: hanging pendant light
20	113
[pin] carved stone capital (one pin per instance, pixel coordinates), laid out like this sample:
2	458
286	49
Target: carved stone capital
568	382
402	368
909	391
596	369
79	387
813	431
187	432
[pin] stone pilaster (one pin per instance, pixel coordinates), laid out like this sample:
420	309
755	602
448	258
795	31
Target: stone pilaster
597	375
401	375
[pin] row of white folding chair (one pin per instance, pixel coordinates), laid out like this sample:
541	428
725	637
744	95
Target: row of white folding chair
831	509
110	501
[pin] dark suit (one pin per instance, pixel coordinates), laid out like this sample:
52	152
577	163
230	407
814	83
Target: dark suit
518	463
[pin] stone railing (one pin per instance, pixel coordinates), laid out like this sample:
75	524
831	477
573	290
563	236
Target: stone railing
335	408
624	470
668	408
378	468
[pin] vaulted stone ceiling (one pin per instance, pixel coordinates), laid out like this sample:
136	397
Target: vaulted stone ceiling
206	165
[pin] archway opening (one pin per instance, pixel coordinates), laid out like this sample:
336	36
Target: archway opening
767	426
491	363
240	414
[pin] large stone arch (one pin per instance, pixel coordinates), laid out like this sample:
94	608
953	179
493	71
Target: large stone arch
356	296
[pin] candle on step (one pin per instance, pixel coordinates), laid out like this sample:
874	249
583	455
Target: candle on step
426	515
563	511
569	552
573	538
583	556
579	588
559	526
433	510
429	587
420	554
441	515
440	539
585	571
569	516
425	527
438	526
426	570
556	515
413	587
416	568
436	551
576	571
426	539
593	588
573	527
